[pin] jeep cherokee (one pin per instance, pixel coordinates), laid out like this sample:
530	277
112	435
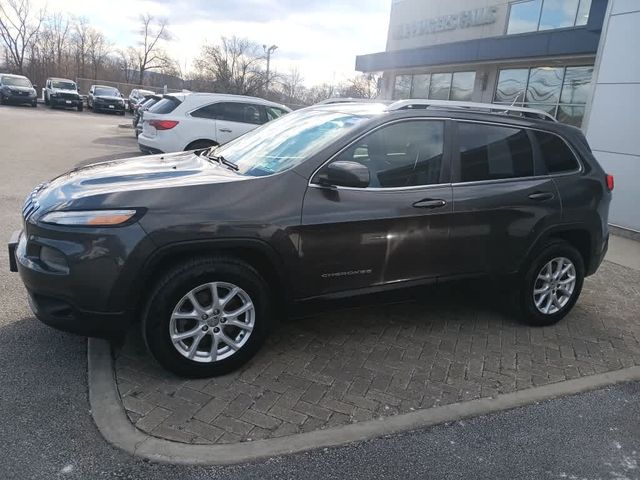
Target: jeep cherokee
332	200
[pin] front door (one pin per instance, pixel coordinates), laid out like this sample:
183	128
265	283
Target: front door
395	230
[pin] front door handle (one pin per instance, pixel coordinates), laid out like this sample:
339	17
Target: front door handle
225	130
430	203
541	196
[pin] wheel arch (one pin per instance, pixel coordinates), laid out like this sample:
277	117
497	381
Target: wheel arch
257	253
577	235
208	140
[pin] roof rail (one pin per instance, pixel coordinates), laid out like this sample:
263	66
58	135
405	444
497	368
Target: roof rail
481	107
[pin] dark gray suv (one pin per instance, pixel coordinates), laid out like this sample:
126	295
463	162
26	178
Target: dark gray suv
206	247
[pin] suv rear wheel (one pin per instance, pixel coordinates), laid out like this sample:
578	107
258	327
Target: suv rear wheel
207	317
552	284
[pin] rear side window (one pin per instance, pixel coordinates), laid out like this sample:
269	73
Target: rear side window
166	105
557	155
489	152
275	112
233	112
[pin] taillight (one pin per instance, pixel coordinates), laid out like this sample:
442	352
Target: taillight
163	124
610	183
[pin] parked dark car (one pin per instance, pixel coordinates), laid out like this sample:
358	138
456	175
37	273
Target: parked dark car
208	247
17	90
140	108
105	99
61	92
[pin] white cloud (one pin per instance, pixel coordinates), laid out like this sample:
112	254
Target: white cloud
319	38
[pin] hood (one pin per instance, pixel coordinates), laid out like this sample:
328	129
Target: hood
152	172
19	89
64	90
108	97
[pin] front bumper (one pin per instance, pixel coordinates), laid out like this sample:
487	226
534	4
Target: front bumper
65	102
93	297
19	99
103	107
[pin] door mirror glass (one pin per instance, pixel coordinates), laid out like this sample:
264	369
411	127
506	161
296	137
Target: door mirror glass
344	174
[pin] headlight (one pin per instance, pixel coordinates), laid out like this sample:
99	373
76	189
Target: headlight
89	218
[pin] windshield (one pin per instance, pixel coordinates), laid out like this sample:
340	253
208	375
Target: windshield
64	85
16	81
288	141
112	92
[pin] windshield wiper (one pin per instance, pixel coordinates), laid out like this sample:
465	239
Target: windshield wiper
223	161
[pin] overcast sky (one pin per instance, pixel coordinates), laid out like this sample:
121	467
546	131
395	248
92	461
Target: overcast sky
320	37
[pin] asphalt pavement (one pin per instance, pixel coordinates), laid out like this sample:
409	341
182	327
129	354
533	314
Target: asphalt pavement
46	429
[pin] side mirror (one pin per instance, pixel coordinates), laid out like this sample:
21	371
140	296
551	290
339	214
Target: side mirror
35	87
344	174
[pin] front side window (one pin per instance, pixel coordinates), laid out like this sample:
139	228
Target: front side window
403	154
558	157
489	152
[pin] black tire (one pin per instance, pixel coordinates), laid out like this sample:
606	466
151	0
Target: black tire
3	101
80	108
199	145
46	100
122	113
551	250
181	280
34	104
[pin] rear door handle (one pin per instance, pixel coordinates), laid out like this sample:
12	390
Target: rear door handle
225	130
430	203
541	196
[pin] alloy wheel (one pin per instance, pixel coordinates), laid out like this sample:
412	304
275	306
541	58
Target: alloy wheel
212	322
554	286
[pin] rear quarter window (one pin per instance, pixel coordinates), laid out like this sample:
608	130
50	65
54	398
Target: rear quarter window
166	105
557	156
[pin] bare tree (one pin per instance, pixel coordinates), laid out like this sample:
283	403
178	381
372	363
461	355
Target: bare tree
59	26
234	66
291	85
98	48
150	55
19	25
362	86
80	41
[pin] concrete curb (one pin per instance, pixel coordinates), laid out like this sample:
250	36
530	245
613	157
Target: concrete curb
113	423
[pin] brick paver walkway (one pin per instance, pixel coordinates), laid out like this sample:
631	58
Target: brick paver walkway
355	365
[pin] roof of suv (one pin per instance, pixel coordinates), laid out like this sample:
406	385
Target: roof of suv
61	79
487	112
200	97
12	75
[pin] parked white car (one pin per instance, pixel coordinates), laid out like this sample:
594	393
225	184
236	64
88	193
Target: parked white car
190	121
136	95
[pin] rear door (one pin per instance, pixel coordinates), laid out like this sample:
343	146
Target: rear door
234	119
395	230
502	197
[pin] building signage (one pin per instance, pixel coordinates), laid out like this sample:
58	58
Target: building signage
465	19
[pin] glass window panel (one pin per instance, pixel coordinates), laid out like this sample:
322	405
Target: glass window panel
489	152
577	84
420	87
511	84
440	86
558	14
401	155
571	115
402	88
462	86
549	108
583	12
545	84
557	156
524	16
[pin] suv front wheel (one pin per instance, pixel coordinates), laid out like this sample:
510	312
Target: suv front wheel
207	317
552	284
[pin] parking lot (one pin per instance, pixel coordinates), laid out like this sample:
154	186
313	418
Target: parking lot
329	369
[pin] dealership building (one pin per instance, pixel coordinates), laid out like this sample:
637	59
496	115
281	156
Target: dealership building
576	59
